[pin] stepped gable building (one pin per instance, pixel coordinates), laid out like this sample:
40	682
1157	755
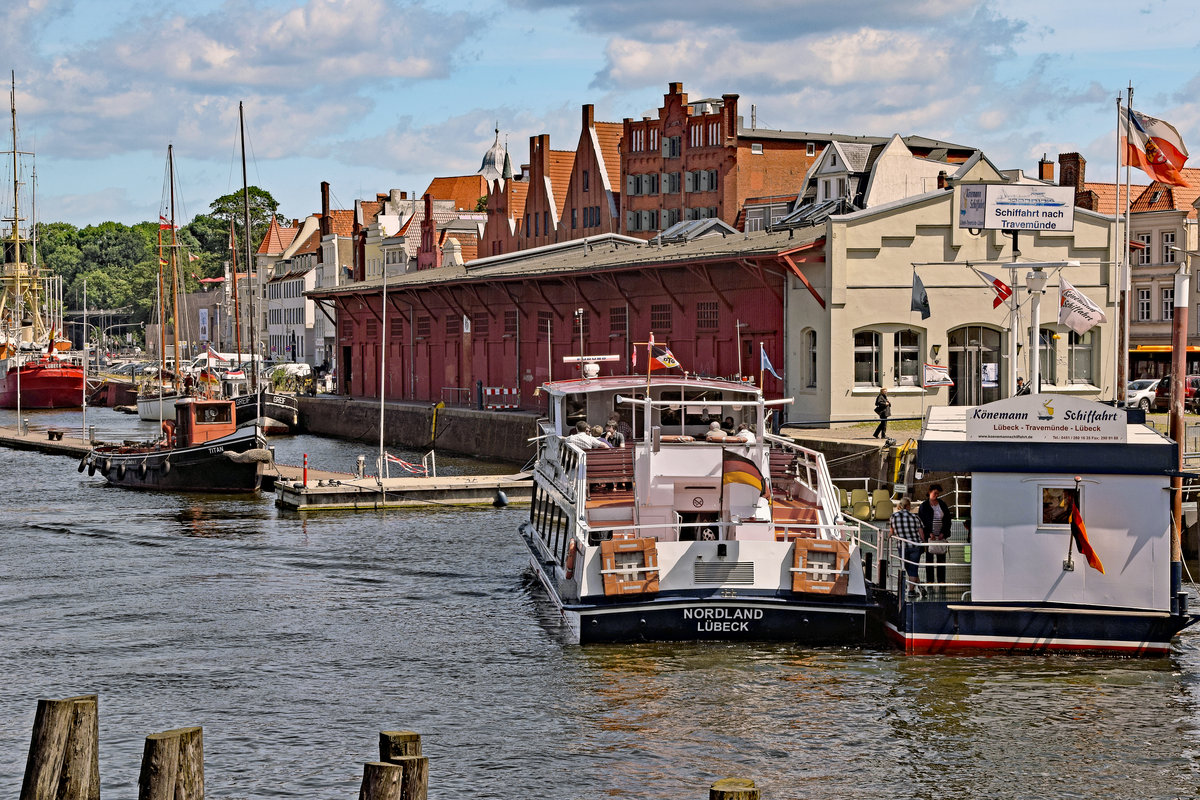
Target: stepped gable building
505	212
593	194
549	173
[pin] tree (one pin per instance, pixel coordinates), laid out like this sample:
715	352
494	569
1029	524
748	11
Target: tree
263	209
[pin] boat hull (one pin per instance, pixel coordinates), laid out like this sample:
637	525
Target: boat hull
201	468
708	616
279	412
949	627
148	406
43	386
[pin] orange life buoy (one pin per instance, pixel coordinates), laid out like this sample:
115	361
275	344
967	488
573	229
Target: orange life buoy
572	548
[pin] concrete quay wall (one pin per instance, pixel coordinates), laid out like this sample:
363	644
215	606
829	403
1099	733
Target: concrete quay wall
496	435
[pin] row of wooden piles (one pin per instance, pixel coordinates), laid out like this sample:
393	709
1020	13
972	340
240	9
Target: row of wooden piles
64	761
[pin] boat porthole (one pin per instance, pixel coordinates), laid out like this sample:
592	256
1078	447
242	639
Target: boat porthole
121	472
166	467
142	469
91	470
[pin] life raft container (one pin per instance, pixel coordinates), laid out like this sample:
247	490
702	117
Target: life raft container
821	566
629	566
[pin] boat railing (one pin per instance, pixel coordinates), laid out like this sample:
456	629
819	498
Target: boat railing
815	475
784	533
956	585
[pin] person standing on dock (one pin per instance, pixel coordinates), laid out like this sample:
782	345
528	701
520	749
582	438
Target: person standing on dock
883	410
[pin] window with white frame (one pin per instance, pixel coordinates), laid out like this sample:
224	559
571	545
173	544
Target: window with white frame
1168	303
810	149
1047	357
1168	247
756	148
1143	305
810	358
1079	357
1143	255
866	358
906	351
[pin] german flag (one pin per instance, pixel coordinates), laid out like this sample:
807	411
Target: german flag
739	469
1079	534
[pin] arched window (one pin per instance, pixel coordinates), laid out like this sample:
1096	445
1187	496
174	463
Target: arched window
866	358
907	354
810	358
1079	357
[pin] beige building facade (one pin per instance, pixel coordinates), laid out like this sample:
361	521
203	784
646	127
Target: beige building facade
854	332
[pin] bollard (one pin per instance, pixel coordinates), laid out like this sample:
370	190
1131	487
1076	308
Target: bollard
64	754
733	789
360	466
381	781
173	766
91	434
396	744
306	470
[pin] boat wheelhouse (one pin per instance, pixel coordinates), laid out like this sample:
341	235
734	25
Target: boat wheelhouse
679	536
1051	478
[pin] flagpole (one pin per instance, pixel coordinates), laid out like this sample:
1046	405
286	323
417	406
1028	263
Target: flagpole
1126	272
761	372
1119	367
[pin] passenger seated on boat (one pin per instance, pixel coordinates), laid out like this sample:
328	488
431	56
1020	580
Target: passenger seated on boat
583	439
728	427
613	436
715	434
744	434
623	427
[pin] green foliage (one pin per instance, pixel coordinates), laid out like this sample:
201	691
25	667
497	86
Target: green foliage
120	262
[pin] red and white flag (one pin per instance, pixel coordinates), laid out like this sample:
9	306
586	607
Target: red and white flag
1154	147
1002	289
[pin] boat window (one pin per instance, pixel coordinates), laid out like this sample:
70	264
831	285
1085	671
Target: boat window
214	414
576	408
1056	505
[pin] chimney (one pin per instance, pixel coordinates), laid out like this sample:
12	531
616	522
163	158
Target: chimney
359	240
326	222
1071	168
1046	169
589	116
943	180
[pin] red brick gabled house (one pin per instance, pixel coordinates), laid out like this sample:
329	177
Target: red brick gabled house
593	196
549	174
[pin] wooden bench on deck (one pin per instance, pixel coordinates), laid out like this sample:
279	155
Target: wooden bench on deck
609	472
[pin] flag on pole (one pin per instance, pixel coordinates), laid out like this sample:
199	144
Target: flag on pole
764	363
1079	534
634	356
191	257
661	357
1076	310
920	299
164	224
213	354
235	374
1154	147
936	375
1002	289
162	262
739	469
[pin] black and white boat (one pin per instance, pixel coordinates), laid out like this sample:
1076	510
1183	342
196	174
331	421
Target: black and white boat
679	537
202	450
275	413
1064	543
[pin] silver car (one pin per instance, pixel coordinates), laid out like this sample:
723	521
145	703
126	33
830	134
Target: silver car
1140	393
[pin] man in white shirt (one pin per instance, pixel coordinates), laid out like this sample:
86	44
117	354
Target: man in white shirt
744	434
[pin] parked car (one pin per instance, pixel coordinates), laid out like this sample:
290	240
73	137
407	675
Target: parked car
1140	393
1191	393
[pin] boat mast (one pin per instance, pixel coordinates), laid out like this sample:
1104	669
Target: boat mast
237	313
174	271
250	265
16	239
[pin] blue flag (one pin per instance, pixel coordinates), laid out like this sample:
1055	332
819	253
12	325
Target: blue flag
765	363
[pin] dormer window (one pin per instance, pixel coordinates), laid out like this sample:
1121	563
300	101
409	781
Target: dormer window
833	159
1154	198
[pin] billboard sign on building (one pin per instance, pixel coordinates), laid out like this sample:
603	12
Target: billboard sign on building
1046	418
1016	207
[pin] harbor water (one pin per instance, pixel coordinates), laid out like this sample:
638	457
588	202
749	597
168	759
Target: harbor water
294	639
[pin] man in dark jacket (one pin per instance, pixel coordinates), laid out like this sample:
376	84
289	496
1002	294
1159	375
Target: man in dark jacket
935	529
883	410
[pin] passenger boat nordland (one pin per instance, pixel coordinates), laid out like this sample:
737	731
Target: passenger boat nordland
202	450
677	536
1063	541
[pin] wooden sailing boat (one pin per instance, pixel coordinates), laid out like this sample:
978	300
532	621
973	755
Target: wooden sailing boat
32	373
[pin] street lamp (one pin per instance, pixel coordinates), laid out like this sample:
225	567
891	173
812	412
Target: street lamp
1035	282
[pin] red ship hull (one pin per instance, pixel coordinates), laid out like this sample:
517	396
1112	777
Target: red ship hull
44	384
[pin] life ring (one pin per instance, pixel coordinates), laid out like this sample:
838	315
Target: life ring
120	472
572	550
142	469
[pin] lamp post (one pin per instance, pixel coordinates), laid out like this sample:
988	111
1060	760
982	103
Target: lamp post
1035	282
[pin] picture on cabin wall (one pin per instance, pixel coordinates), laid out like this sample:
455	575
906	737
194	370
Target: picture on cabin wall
991	375
1056	505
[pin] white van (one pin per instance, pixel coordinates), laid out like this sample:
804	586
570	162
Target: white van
221	363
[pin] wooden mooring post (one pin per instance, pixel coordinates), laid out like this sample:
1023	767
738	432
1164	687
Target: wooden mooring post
173	766
401	773
64	752
734	789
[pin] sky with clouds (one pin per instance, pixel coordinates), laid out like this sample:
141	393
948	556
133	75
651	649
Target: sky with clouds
372	95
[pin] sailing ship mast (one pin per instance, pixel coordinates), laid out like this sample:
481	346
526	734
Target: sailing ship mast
174	270
250	265
237	312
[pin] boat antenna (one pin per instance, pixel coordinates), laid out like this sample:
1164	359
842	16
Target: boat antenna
174	276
